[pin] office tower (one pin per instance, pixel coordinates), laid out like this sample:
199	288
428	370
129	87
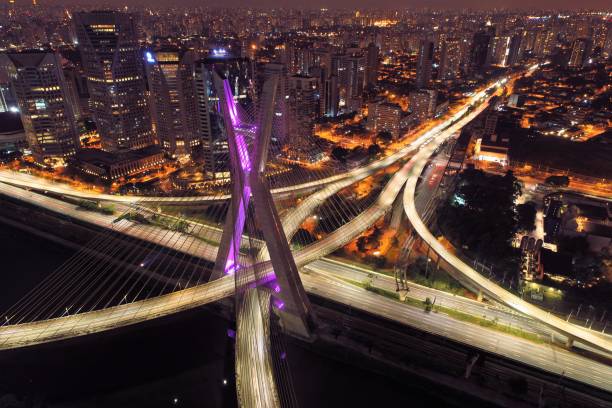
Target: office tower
498	51
581	49
423	103
479	51
37	79
239	73
113	64
372	64
424	63
514	50
351	80
303	108
170	73
385	117
450	59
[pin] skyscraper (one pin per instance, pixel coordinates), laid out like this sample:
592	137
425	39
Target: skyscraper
498	51
351	80
48	120
450	59
170	73
303	109
372	64
479	51
581	48
424	63
113	63
514	50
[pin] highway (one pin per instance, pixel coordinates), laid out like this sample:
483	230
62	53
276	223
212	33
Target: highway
40	332
118	316
337	269
475	279
550	358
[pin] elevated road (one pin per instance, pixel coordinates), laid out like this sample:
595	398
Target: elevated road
98	321
472	278
552	359
21	335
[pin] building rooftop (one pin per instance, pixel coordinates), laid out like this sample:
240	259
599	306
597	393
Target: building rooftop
106	159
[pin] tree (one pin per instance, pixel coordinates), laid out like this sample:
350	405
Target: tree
374	150
339	153
361	243
481	214
384	136
526	216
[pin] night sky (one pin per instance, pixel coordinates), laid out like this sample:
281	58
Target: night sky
379	4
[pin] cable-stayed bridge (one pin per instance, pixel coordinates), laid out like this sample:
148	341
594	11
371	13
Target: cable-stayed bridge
184	264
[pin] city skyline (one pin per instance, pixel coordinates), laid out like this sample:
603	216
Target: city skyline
271	207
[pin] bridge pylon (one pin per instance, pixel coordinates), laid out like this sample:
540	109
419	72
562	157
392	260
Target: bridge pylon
252	206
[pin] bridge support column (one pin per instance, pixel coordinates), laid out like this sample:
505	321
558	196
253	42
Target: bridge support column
569	343
289	296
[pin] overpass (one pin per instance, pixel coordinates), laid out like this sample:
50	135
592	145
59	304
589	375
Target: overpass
473	279
122	315
96	321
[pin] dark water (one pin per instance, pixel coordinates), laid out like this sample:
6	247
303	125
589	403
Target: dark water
180	361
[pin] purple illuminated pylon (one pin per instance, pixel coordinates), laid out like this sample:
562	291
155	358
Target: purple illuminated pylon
242	151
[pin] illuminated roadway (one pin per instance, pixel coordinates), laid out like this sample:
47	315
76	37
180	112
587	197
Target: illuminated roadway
39	332
474	278
126	314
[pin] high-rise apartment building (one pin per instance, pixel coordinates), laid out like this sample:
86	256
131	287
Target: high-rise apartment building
498	51
581	47
351	69
113	64
424	63
385	117
544	43
514	50
423	103
372	64
479	50
450	59
37	80
303	104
